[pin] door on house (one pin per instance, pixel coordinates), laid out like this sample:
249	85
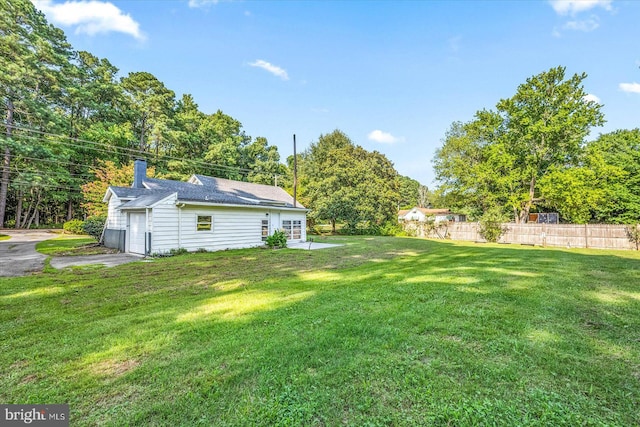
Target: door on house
275	222
137	233
292	228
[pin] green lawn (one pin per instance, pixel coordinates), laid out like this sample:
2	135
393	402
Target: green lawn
382	331
71	244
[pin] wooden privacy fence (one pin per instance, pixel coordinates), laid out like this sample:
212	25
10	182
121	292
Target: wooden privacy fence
599	236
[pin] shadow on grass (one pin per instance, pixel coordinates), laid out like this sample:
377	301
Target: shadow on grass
380	331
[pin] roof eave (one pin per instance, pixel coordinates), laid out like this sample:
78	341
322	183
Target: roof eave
237	205
150	206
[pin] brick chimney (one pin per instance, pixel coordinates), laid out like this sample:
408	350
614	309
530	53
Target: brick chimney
139	172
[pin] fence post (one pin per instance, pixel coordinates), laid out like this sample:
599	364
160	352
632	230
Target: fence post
586	237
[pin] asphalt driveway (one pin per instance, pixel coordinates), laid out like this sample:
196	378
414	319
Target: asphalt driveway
18	256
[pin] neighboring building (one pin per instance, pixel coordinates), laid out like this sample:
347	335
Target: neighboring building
157	215
544	218
424	214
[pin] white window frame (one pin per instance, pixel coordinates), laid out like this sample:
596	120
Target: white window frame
296	226
290	228
265	222
199	223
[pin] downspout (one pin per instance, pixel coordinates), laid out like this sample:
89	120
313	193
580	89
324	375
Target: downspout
147	242
180	206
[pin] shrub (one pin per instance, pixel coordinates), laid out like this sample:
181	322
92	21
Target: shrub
391	228
178	251
490	225
75	226
277	240
94	225
633	233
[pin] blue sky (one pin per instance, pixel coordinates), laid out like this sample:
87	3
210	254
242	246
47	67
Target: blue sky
393	75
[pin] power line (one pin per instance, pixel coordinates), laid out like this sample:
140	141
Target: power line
51	161
59	187
46	174
132	152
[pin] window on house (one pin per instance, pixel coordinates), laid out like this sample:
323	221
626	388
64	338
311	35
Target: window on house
293	229
204	223
265	229
297	230
286	227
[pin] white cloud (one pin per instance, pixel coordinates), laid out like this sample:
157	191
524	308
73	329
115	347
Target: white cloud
591	98
585	25
273	69
571	7
383	137
630	87
202	3
90	17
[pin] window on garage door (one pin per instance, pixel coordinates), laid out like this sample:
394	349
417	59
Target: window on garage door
293	229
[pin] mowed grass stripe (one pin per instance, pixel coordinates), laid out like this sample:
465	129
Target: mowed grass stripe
380	331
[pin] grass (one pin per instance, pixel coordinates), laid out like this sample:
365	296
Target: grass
4	237
70	245
380	331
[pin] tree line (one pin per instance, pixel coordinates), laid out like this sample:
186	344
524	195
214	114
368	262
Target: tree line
530	154
70	120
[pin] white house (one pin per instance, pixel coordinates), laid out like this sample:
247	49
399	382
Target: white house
157	215
424	214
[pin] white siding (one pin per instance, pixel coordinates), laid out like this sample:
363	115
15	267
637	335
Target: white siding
415	216
116	220
164	226
232	228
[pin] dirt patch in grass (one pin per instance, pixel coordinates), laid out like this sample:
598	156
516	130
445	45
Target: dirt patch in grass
114	368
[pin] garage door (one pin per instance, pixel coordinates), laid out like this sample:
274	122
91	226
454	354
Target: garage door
137	232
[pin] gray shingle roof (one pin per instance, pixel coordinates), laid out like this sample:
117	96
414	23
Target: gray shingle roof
203	188
147	200
129	192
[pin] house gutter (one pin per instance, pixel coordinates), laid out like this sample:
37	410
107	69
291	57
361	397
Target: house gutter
229	205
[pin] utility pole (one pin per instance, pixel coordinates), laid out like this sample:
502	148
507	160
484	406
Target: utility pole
295	171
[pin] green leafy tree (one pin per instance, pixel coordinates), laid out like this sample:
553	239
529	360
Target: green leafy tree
409	192
342	182
264	161
474	169
604	186
226	145
499	158
187	121
150	105
616	159
33	55
106	173
93	94
545	124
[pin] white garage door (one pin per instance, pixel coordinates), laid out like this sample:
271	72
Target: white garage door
137	232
